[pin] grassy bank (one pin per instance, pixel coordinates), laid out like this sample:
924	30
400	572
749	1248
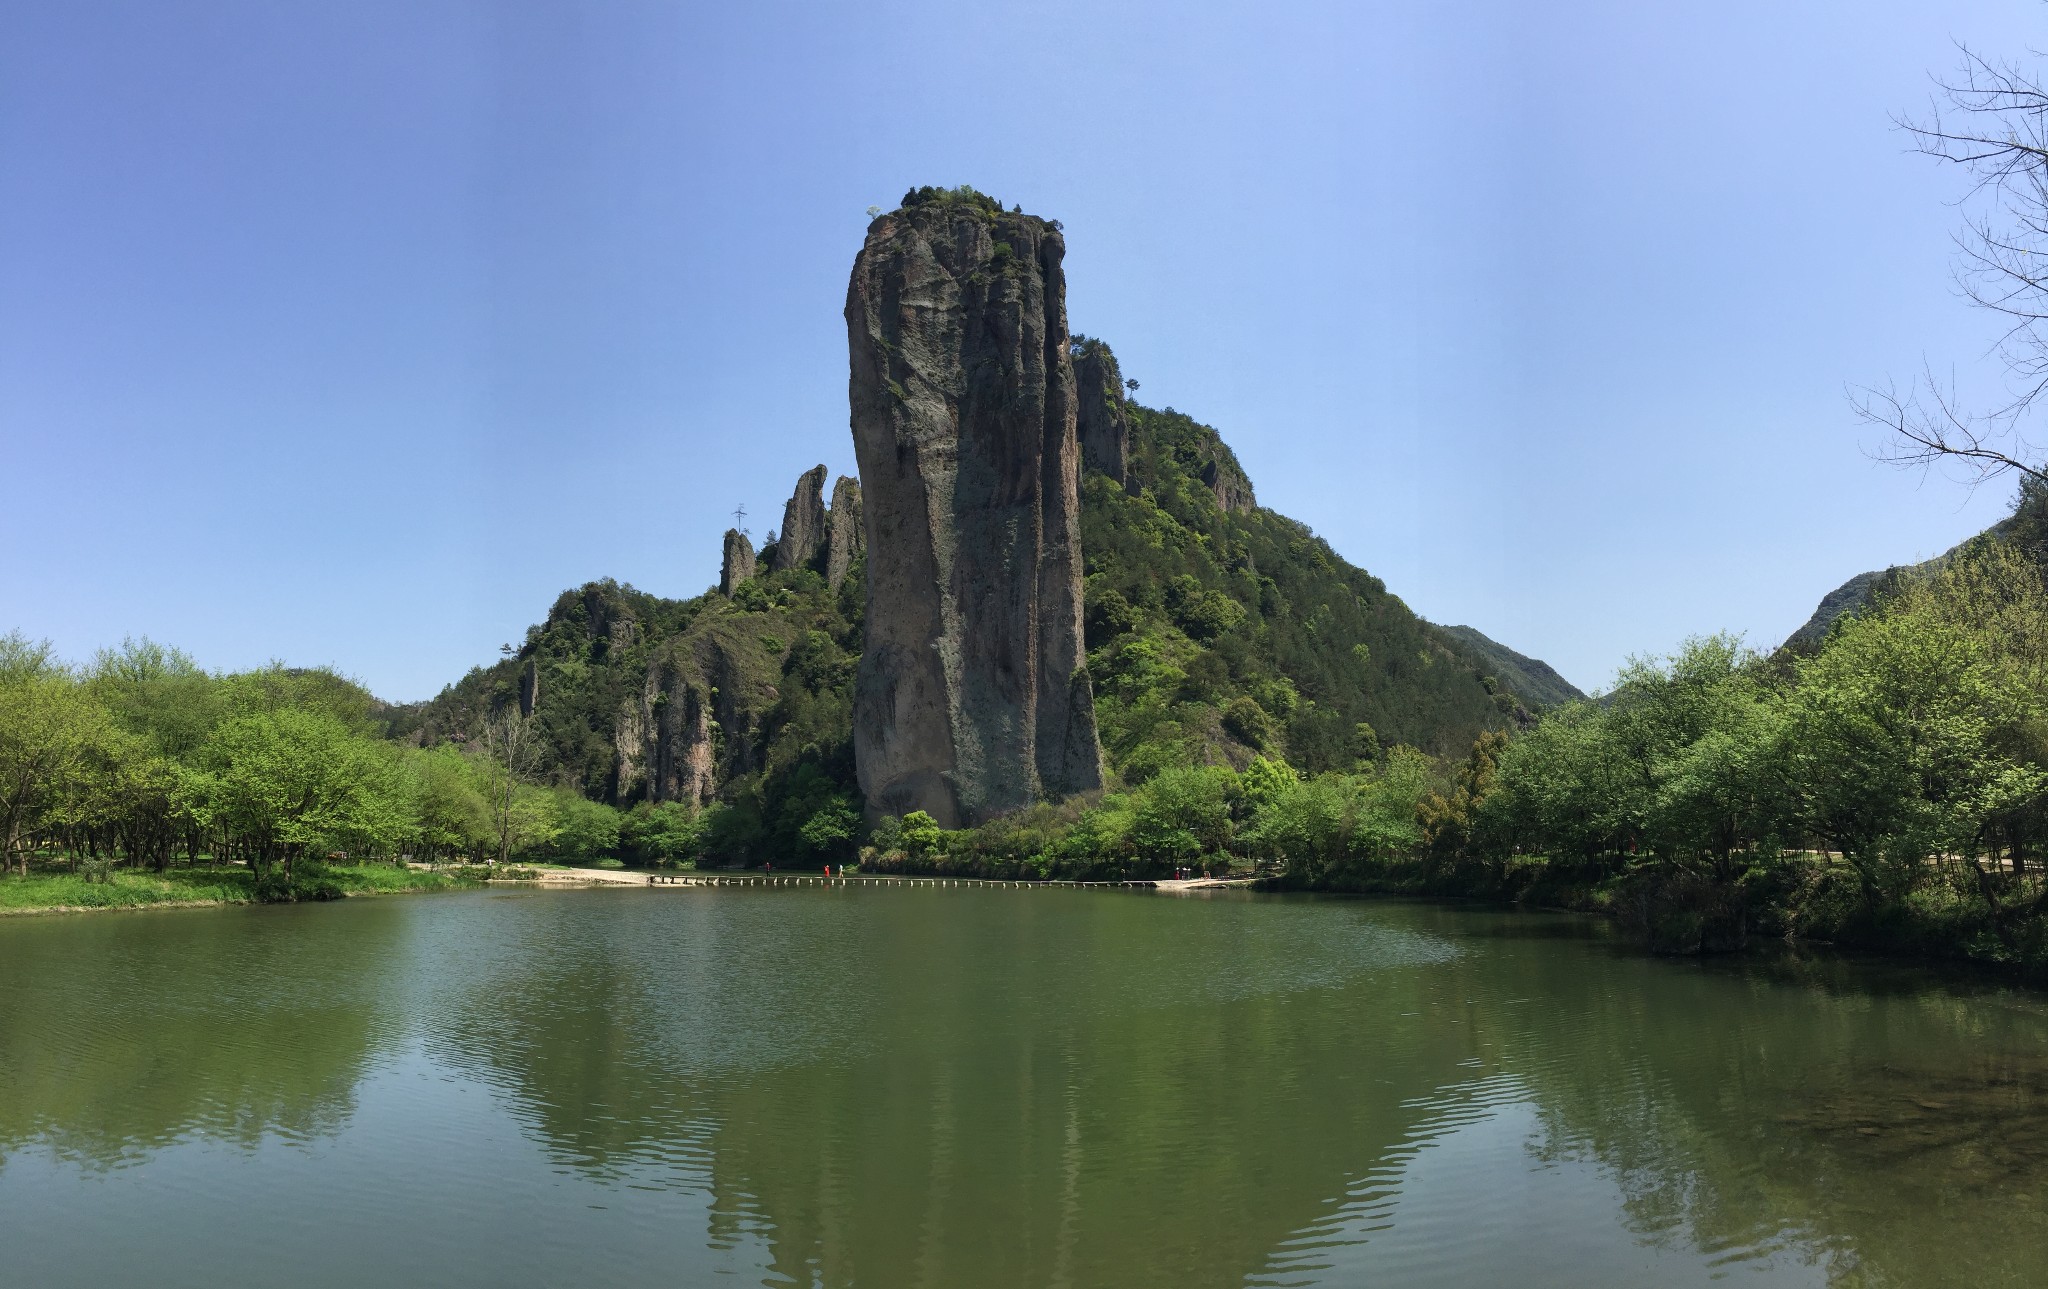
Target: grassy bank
52	890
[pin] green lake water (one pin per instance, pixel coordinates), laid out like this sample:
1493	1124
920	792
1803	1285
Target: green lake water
896	1087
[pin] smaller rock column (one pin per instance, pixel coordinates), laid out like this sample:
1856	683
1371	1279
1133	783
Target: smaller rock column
803	522
1102	421
739	561
848	538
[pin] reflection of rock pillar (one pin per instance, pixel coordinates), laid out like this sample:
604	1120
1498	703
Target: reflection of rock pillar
973	697
529	687
739	561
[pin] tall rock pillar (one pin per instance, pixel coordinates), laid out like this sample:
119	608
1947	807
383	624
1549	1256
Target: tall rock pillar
973	696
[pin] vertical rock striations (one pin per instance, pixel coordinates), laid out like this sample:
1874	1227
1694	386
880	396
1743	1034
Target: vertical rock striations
739	561
1103	425
973	695
803	522
696	723
848	538
529	687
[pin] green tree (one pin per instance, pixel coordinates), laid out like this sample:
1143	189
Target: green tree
581	830
290	784
49	728
1302	824
1900	743
157	693
1184	813
919	834
452	817
666	833
1385	824
507	756
1450	822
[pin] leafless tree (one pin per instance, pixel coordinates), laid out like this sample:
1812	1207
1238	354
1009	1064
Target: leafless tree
1991	118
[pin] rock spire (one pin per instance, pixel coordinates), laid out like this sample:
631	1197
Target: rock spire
1102	422
973	696
803	522
848	538
739	561
529	687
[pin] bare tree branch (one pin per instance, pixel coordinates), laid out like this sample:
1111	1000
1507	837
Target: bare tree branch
1991	118
1929	430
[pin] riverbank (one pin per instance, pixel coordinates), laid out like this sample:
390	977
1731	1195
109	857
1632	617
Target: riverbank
59	891
1948	915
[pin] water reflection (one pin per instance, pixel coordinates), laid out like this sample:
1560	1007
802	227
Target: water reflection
1023	1088
985	1090
122	1034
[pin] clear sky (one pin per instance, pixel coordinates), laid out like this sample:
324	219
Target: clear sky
354	333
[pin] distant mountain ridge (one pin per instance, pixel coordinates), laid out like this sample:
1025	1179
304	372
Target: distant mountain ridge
1535	681
2026	526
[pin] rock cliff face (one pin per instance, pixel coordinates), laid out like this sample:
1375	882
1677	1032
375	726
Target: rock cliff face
695	725
803	522
529	687
1101	420
848	535
693	722
1227	479
738	565
973	696
611	622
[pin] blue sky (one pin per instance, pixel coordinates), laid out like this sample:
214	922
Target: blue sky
353	334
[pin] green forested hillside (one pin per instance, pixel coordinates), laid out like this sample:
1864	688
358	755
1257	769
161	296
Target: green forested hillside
1532	680
1216	634
775	661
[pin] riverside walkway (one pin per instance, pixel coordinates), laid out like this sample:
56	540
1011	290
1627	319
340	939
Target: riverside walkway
746	878
618	877
808	879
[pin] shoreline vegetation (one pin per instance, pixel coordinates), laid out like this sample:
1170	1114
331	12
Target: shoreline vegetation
51	887
1886	790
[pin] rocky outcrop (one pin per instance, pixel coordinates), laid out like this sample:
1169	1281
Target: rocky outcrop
1102	423
608	619
607	616
848	536
973	697
629	752
529	687
695	725
803	522
685	764
1227	479
738	565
